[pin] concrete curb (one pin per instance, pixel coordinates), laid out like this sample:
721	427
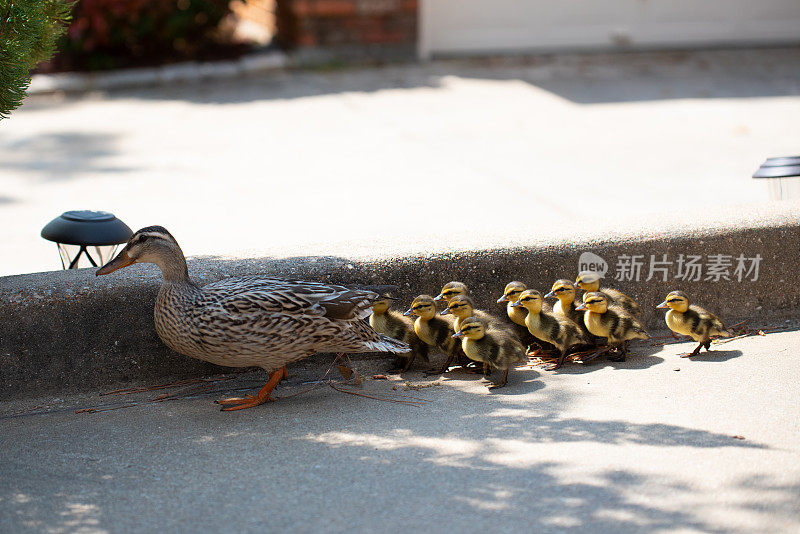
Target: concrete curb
187	72
73	331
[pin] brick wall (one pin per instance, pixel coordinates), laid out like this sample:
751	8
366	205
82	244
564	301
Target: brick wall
336	23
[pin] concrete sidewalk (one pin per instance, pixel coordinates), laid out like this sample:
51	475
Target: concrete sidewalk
451	155
655	444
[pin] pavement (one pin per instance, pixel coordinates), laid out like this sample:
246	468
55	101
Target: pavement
481	170
654	444
405	159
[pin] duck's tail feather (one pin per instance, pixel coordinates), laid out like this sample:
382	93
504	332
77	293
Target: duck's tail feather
389	344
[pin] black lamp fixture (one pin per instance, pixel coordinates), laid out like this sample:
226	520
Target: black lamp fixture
782	173
76	231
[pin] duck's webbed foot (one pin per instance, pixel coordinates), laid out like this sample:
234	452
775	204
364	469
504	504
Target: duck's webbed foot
620	354
561	359
263	395
589	355
696	351
502	381
401	365
443	369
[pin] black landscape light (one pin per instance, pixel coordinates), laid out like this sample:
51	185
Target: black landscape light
76	231
782	174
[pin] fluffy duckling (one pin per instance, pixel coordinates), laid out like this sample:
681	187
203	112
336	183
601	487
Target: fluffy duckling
692	320
611	322
433	329
463	307
495	348
396	325
450	290
552	327
564	291
511	295
589	281
517	314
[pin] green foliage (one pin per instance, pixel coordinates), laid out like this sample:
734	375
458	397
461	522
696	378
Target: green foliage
29	30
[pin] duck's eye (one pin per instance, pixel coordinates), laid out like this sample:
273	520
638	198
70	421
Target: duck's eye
514	292
674	300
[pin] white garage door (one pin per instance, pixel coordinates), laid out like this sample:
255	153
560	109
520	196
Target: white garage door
450	27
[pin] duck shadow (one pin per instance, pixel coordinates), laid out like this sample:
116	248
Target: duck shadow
640	356
520	381
715	356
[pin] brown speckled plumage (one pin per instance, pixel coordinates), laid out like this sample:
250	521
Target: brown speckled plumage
252	321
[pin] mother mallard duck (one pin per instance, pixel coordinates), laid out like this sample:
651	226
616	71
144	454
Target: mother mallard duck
253	320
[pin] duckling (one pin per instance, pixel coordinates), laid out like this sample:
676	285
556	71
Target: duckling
552	327
511	295
463	307
396	325
495	348
589	281
611	322
692	320
564	291
450	290
252	320
517	315
433	329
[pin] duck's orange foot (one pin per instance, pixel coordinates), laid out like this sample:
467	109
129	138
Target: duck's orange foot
240	403
263	395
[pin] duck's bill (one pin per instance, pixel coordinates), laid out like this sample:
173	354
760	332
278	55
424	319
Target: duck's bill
445	311
408	312
581	307
457	335
502	299
517	304
438	297
122	260
551	294
662	305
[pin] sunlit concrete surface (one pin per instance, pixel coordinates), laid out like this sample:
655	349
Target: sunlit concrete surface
459	154
655	444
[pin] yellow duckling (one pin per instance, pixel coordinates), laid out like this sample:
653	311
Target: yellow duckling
511	295
611	322
463	307
396	325
517	315
452	289
589	281
564	291
553	328
692	320
433	329
495	348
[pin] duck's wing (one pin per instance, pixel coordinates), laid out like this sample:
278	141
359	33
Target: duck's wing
254	295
